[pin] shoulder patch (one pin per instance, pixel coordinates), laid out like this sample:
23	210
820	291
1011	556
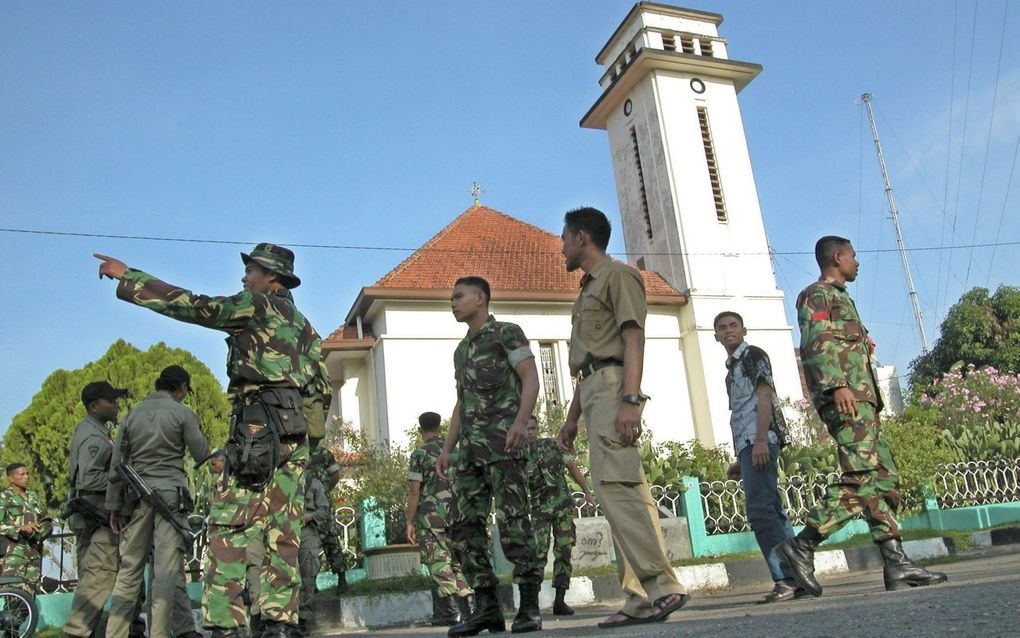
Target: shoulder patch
821	315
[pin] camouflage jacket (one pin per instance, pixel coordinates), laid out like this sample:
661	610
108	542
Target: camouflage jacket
488	389
270	343
17	510
435	496
834	345
546	465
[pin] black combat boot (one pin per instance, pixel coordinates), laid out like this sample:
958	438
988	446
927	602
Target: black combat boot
466	604
444	610
273	629
487	615
341	583
799	553
189	634
218	632
900	571
528	617
560	606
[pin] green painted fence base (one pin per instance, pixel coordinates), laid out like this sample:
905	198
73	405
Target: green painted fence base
974	518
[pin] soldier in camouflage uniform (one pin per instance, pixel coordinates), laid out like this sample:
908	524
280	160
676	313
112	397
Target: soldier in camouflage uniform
497	385
552	509
316	516
836	351
430	504
271	348
325	464
24	526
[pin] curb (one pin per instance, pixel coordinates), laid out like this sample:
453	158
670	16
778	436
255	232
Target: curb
414	608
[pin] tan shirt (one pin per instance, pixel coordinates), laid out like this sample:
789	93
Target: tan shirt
612	294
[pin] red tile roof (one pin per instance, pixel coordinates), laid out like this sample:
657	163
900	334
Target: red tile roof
512	255
520	261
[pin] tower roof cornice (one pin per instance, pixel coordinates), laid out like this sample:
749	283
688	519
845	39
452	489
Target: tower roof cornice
649	60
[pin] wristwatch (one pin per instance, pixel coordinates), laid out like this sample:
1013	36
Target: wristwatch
633	399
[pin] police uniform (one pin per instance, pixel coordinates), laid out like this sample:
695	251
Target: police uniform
91	450
270	345
316	505
552	508
613	294
489	394
152	440
23	557
432	521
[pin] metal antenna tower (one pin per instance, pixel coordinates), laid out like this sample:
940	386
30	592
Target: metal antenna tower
866	98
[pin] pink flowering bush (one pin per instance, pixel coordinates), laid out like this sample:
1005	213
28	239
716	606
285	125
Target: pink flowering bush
977	411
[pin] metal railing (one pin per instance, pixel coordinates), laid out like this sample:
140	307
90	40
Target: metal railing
977	483
60	553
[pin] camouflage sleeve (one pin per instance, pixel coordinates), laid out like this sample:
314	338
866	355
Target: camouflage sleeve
415	471
819	349
8	518
222	313
515	344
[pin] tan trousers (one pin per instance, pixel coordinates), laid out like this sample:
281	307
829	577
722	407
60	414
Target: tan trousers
97	571
619	483
169	609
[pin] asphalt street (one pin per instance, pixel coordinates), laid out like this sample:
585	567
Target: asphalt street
981	599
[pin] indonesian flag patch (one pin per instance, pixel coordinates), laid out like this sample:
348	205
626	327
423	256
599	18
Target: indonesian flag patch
821	315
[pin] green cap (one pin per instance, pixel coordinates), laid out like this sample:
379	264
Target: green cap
278	259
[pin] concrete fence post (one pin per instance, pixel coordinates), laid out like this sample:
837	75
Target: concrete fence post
695	514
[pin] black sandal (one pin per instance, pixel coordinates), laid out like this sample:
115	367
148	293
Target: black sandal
627	621
663	610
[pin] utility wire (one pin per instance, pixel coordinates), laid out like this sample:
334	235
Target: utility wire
949	150
235	242
1002	215
988	144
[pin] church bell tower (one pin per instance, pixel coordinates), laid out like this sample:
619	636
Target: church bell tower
686	190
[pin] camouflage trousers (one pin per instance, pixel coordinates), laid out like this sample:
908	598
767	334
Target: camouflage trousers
238	517
561	527
442	561
503	485
869	482
24	561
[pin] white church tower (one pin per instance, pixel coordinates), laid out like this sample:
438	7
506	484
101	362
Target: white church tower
687	194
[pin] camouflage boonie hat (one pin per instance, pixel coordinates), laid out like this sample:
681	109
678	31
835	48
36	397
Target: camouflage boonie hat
278	259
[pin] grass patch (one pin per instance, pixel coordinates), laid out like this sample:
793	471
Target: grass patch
50	632
400	585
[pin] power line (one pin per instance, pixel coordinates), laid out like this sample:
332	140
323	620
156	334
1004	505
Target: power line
237	242
1005	200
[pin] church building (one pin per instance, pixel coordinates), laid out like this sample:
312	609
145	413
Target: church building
691	223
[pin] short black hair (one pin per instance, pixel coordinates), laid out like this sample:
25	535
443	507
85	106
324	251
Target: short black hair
173	378
533	418
429	421
592	221
476	282
727	313
826	246
14	466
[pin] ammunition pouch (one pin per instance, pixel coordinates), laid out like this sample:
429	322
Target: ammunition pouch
258	427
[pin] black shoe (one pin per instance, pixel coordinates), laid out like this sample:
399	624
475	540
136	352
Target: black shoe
341	583
227	633
560	606
273	629
189	634
528	617
466	605
444	610
487	615
799	553
900	571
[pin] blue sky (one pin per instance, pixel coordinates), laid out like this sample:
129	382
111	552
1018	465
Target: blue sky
365	124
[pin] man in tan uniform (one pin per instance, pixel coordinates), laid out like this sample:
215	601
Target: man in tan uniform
606	356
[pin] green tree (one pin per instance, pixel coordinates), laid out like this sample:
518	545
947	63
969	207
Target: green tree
39	435
980	329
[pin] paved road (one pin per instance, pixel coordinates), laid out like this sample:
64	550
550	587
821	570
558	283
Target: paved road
980	600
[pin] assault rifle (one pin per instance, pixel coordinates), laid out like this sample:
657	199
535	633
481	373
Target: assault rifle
78	505
155	500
